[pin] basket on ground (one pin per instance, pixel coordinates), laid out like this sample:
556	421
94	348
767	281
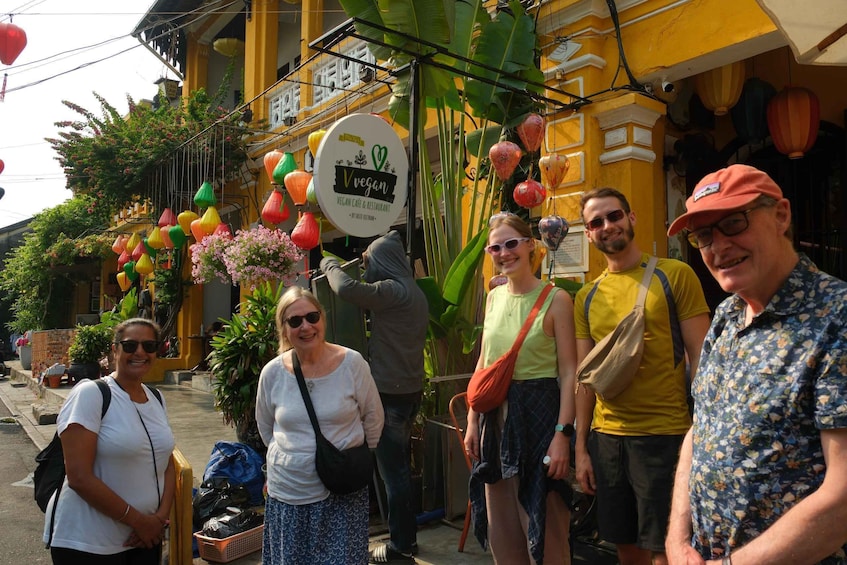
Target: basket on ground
231	548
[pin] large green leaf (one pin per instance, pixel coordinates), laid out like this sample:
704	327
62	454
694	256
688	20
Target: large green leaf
369	11
462	271
424	19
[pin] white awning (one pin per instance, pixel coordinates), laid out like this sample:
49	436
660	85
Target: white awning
816	30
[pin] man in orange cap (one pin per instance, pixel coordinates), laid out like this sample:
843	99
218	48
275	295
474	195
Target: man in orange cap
762	474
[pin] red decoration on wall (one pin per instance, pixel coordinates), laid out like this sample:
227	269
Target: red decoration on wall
794	117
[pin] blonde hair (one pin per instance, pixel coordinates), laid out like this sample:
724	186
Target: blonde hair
288	298
516	223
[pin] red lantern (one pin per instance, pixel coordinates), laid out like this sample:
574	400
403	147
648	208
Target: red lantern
270	160
223	230
531	132
529	194
504	156
2	165
307	233
138	251
297	183
168	218
123	259
12	42
275	210
794	117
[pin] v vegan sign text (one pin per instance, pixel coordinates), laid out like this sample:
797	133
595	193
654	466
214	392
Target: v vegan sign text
361	171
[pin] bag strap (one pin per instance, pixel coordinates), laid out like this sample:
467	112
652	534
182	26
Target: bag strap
307	400
536	308
107	400
645	281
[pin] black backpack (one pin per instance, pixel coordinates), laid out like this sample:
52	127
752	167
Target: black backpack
49	472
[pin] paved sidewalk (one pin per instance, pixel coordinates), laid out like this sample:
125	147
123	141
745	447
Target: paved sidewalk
197	426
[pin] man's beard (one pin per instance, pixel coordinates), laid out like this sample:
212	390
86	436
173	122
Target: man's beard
617	245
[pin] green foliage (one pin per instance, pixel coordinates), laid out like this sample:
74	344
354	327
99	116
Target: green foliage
245	344
127	308
115	158
90	343
62	235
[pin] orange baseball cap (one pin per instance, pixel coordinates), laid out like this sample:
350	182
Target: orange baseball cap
726	189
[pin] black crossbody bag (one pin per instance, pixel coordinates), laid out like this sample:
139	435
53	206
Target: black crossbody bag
341	471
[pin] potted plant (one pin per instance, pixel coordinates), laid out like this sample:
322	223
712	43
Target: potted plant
24	348
88	346
244	345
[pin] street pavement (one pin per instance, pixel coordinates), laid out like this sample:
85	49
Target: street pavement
196	426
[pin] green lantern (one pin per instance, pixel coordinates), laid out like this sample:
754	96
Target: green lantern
205	196
177	235
286	165
129	269
151	251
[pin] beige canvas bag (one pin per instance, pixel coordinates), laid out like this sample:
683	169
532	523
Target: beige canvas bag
611	365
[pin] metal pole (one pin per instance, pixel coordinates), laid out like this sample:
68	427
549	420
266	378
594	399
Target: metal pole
414	117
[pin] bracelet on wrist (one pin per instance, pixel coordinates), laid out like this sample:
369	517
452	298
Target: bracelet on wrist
727	560
126	513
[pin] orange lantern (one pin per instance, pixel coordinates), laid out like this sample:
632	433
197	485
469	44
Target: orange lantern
165	234
719	89
123	281
197	231
307	233
184	219
210	220
794	117
275	210
297	183
120	244
270	160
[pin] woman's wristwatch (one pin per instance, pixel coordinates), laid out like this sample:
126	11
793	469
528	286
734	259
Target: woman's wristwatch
566	429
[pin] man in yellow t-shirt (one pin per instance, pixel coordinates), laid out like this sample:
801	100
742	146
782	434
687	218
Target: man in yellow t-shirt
627	447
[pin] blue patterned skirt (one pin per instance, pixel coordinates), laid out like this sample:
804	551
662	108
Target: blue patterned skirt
333	531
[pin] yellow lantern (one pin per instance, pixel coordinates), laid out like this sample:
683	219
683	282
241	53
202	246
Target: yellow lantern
315	140
133	242
228	46
144	266
155	240
184	220
719	89
210	220
123	281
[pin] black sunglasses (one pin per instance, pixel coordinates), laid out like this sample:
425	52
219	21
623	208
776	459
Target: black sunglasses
599	222
130	345
297	321
508	244
729	225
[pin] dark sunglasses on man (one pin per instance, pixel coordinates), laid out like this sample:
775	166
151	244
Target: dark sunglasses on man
600	221
130	345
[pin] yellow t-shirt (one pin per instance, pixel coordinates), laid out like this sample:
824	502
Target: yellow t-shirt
504	317
655	403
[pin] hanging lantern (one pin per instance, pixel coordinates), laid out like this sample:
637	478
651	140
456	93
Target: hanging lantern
719	89
144	266
123	259
275	210
12	42
129	270
123	281
210	220
148	249
223	230
553	230
529	193
750	115
504	156
286	165
138	251
184	220
270	160
165	234
197	230
132	243
2	165
531	132
315	141
307	233
205	196
311	194
167	218
794	118
154	240
119	244
553	169
178	237
296	182
228	46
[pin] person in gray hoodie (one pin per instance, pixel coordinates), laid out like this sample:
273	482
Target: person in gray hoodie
399	319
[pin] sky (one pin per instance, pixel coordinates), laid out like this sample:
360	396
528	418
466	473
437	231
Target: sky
61	36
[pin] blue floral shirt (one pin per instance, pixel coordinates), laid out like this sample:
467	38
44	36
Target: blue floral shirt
762	394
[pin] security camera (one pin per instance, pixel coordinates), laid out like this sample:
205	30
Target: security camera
668	86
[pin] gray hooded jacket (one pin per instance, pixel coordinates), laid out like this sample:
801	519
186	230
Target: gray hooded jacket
399	313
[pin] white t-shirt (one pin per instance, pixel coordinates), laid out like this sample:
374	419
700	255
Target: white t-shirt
349	412
123	461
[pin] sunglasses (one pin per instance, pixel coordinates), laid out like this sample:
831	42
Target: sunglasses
130	345
297	321
509	244
729	225
599	222
499	215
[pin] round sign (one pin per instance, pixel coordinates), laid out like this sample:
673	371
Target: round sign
361	175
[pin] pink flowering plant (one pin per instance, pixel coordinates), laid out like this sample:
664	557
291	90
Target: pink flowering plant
207	259
261	255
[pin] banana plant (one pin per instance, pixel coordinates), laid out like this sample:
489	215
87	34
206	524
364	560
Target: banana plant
452	39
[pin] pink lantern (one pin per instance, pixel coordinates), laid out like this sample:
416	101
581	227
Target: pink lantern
168	218
504	156
529	194
531	132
